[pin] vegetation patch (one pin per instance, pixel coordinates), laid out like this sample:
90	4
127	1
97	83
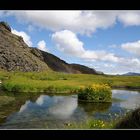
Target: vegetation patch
61	82
95	93
90	124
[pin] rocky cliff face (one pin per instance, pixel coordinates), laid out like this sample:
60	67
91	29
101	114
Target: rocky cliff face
16	55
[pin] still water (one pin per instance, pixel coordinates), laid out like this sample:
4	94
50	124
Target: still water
54	111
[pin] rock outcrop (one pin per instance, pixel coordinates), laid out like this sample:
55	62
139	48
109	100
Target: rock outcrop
15	53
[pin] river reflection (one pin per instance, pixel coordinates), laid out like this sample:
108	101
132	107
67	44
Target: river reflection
91	108
56	106
131	99
54	111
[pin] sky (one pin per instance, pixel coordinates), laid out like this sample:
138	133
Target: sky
108	41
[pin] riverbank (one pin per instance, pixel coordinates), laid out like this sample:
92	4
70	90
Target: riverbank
129	121
126	87
50	82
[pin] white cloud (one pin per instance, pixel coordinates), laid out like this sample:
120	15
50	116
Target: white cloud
42	45
130	62
67	42
129	18
66	25
124	65
100	55
84	22
25	36
132	47
108	65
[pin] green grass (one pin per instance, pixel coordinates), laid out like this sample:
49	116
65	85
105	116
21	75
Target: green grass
61	82
50	82
91	124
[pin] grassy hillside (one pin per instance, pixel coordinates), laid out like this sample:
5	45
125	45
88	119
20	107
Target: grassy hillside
61	82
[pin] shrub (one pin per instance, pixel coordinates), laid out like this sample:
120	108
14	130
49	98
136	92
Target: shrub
95	93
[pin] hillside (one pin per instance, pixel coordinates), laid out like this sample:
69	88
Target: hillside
16	55
83	69
56	64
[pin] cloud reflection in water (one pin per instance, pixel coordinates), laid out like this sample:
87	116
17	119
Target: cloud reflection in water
61	107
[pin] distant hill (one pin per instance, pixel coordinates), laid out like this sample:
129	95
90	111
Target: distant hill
16	55
131	74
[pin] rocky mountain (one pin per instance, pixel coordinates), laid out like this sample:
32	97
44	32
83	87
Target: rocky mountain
15	55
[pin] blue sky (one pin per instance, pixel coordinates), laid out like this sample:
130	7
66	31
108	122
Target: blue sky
108	41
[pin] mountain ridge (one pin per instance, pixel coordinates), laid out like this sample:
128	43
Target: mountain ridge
16	55
131	74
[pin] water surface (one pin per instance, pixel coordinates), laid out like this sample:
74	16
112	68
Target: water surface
55	111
